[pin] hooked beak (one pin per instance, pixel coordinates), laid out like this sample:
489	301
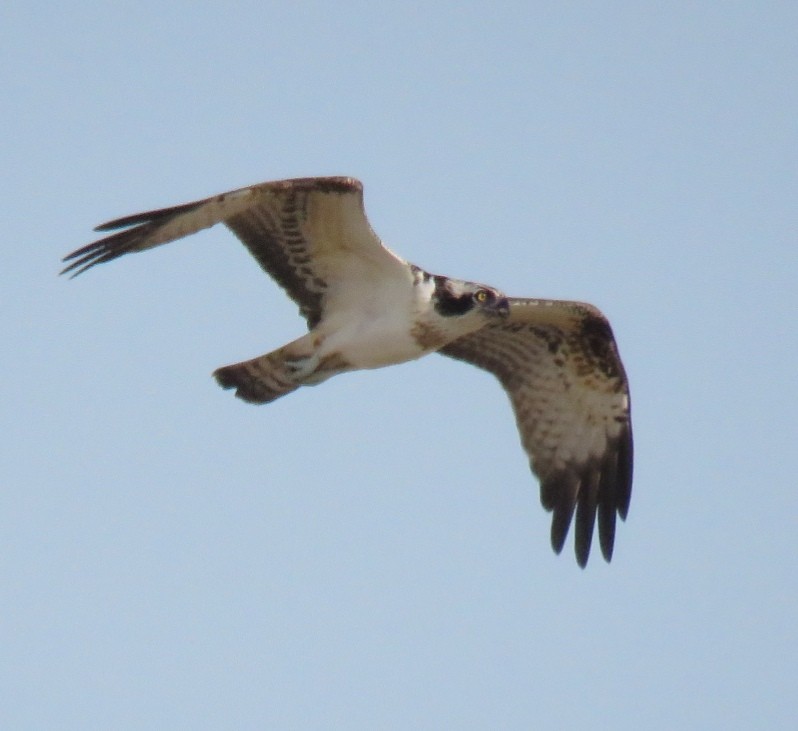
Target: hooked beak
502	307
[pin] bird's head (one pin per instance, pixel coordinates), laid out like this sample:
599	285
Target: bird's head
457	298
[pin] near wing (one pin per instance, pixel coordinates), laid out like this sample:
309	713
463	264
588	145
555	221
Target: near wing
559	364
309	234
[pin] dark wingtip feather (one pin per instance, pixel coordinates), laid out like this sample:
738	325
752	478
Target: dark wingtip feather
105	249
593	498
615	489
558	535
136	229
624	471
81	251
608	502
148	217
606	521
585	520
71	267
123	222
564	487
94	254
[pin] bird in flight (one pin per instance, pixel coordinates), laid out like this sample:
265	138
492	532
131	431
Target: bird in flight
366	307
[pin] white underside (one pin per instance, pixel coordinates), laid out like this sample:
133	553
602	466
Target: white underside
372	327
372	343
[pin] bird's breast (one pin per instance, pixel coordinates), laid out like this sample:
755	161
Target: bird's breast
377	326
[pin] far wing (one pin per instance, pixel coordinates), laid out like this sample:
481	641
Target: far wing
309	234
559	363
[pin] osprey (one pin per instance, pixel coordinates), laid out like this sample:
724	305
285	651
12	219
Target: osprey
366	307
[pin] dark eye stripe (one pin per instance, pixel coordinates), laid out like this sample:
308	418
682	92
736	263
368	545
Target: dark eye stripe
449	306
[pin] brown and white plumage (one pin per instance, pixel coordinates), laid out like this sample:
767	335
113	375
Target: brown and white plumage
560	367
366	308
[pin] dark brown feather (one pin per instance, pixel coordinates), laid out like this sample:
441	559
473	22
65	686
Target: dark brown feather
269	220
559	364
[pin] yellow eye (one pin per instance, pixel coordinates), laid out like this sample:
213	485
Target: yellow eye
481	295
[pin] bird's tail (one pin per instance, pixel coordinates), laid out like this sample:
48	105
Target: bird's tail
276	374
259	380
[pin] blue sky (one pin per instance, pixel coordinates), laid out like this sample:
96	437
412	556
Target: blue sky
372	553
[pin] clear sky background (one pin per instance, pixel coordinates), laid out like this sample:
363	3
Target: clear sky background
372	553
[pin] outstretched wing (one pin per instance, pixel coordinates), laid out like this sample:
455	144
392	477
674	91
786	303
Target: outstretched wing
310	234
559	364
